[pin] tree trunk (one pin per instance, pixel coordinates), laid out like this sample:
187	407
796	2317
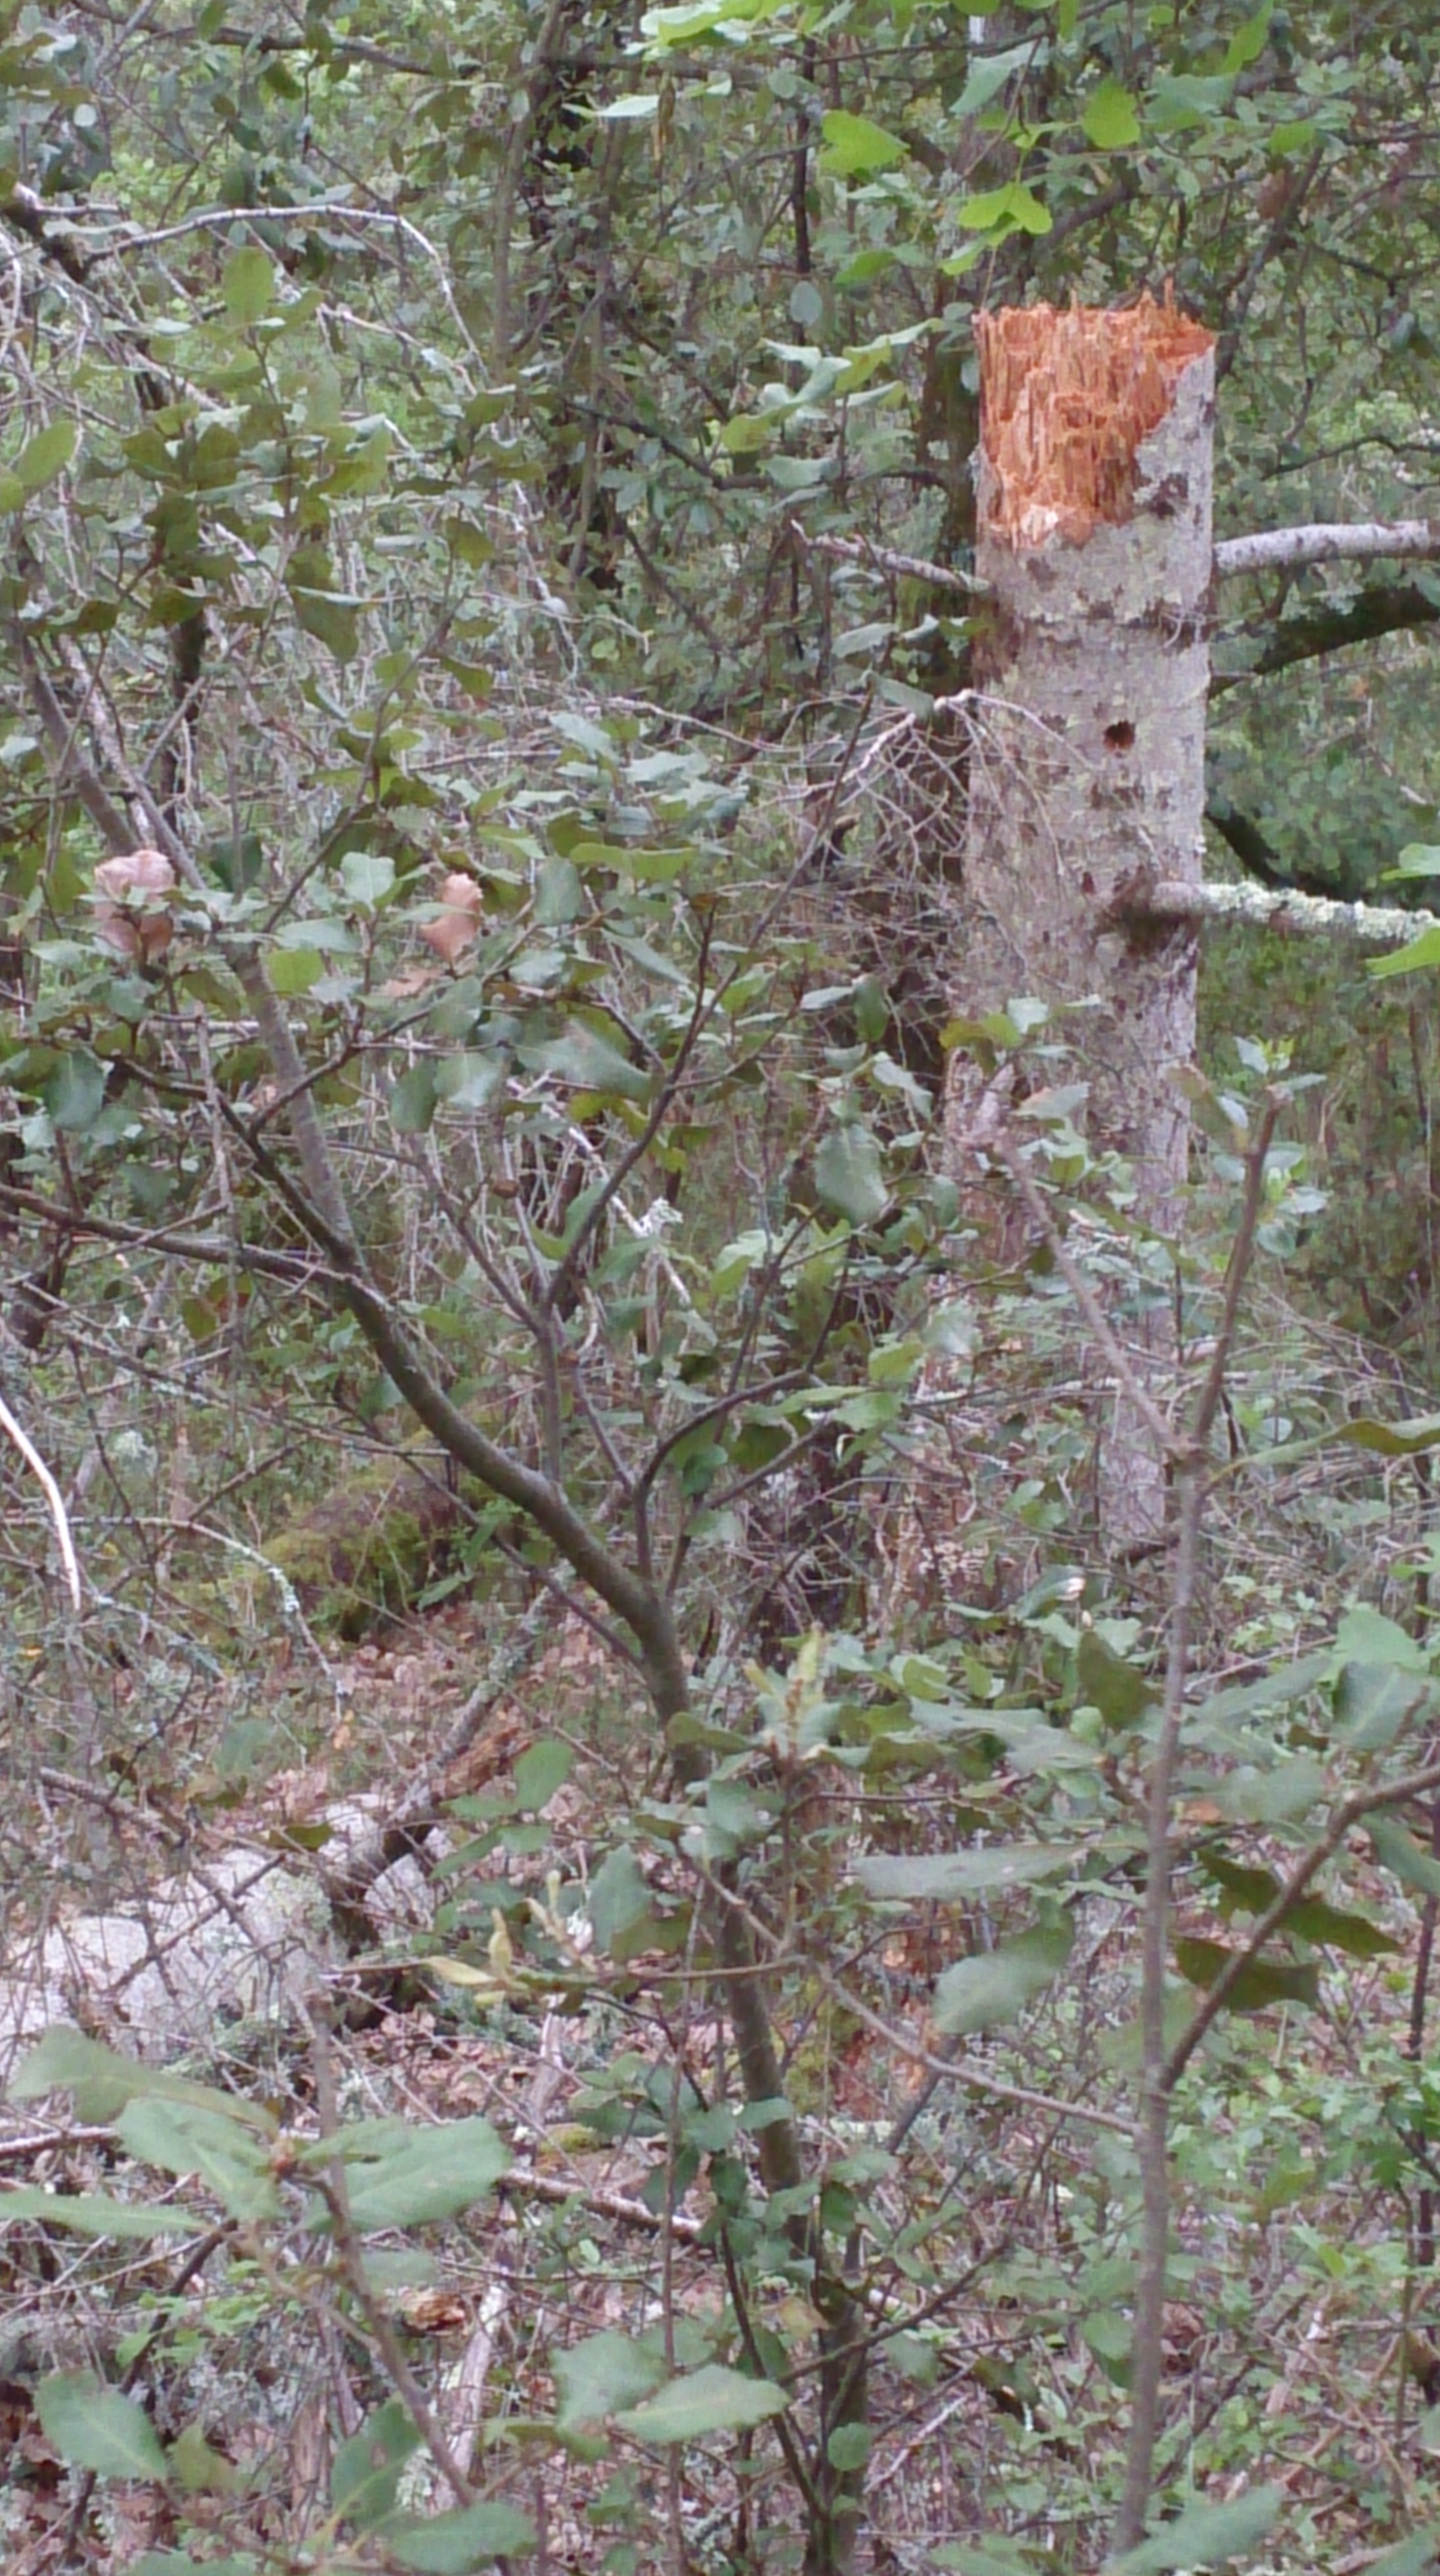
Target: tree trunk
1087	770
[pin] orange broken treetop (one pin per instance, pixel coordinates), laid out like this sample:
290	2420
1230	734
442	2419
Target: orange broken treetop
1066	400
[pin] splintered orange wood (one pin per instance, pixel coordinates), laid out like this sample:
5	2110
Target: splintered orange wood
1066	400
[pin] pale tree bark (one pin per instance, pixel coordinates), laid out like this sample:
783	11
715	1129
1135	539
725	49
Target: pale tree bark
1087	767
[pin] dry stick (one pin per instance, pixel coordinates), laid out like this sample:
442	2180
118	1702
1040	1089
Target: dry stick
52	1494
859	550
1153	2142
32	2143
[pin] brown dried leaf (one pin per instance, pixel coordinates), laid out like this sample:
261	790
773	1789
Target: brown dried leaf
457	924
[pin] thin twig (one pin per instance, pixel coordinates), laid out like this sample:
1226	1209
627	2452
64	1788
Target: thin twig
859	550
1153	2134
52	1494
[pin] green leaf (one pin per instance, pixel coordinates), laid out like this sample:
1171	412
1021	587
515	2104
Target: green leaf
398	2175
294	970
1110	2337
1392	1439
75	1092
849	1176
199	2469
1121	1694
559	894
1366	1636
1262	1983
92	2214
587	1061
651	867
1275	1689
102	2081
849	2447
712	2400
1015	207
412	1100
895	1363
323	930
455	2544
1334	1927
635	103
735	1818
1206	2535
93	2427
187	2138
1424	951
467	1080
367	876
1374	1703
1109	117
745	433
365	2476
948	1877
996	1985
330	615
1273	1797
853	146
542	1769
598	2377
1254	1891
1417	859
248	285
1406	1859
1417	2556
1248	42
45	455
585	735
1251	1890
620	1900
987	77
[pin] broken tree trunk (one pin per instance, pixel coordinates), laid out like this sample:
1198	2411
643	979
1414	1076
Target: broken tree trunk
1087	768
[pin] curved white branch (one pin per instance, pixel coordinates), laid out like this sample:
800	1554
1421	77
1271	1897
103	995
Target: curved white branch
52	1493
1339	541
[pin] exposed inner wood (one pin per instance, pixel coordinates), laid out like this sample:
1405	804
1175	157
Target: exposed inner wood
1067	399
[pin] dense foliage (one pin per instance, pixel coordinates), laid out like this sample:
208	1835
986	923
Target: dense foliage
486	511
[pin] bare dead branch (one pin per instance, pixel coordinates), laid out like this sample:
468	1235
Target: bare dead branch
52	1494
1371	925
1328	541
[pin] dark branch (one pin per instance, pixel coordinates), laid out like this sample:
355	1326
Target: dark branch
1389	609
